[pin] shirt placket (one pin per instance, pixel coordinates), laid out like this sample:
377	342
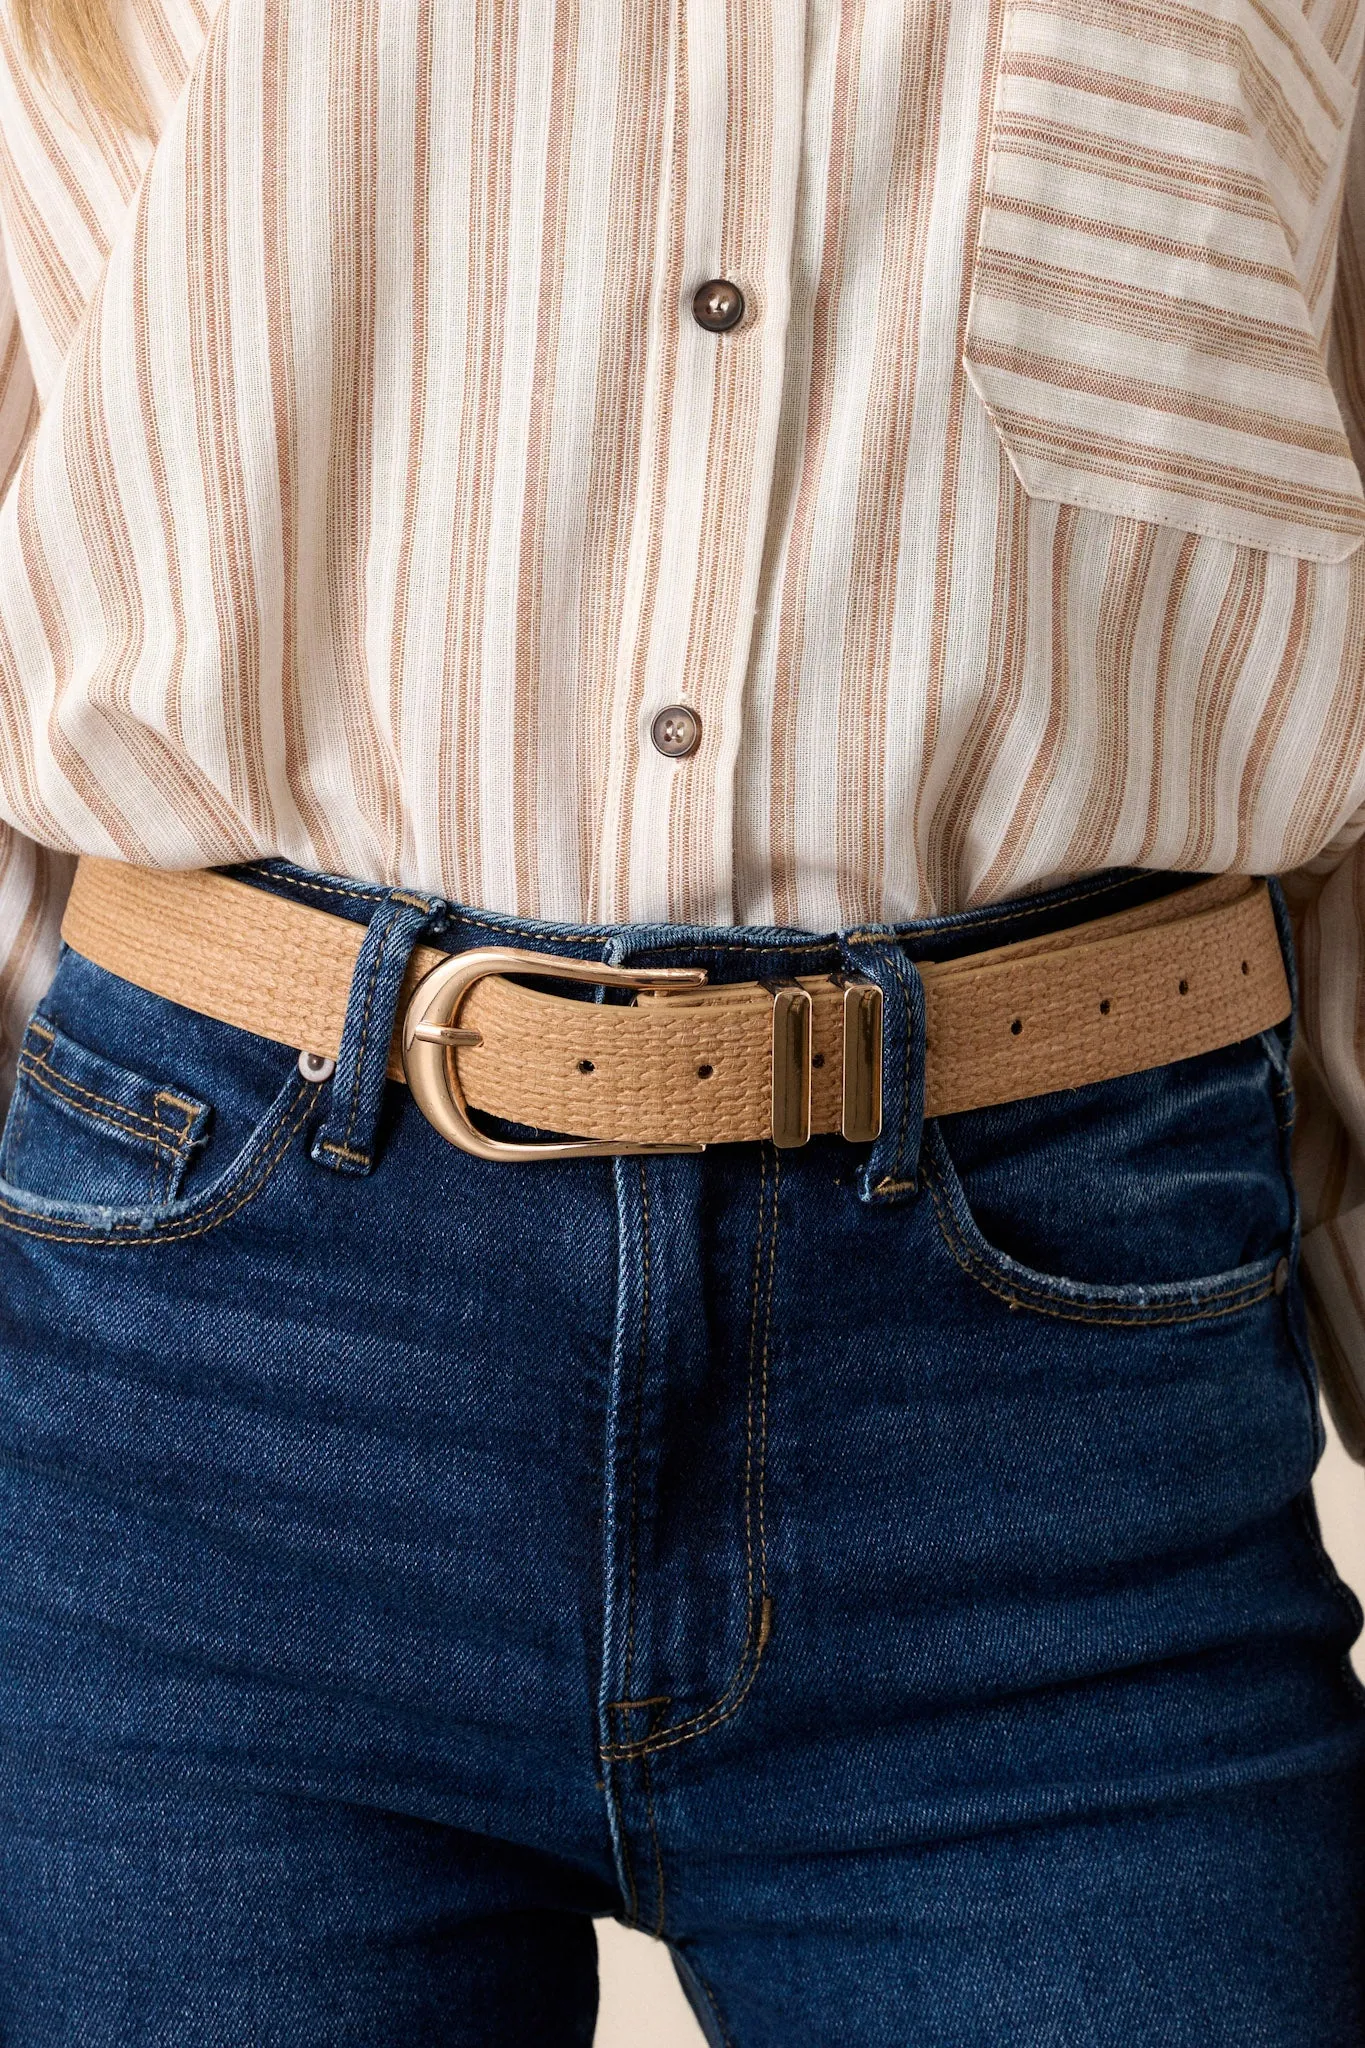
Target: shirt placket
720	296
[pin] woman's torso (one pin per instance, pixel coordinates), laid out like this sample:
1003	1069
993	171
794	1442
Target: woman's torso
387	488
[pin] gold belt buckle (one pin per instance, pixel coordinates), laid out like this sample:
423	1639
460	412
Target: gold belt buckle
432	1035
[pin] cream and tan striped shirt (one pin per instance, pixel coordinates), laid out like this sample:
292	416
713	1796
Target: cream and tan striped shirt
370	485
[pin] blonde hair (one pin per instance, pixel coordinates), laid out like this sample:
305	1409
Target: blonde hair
80	42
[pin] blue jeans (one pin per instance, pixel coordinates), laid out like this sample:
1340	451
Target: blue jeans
890	1579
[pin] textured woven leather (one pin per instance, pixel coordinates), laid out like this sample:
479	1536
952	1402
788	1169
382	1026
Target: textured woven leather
1184	975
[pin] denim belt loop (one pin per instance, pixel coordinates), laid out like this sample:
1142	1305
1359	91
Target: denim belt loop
346	1141
891	1171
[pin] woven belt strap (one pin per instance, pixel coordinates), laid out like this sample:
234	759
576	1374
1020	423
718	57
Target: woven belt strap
1189	973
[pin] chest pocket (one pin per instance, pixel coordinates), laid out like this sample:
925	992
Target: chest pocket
1154	271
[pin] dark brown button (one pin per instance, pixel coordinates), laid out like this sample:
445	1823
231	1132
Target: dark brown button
676	732
718	305
1281	1276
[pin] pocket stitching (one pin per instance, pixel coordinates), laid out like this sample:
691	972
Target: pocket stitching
1333	540
244	1186
130	1122
127	1123
1083	501
172	1146
1111	1314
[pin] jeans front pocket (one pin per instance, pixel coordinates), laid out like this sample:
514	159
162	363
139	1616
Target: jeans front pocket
135	1121
82	1128
1159	1196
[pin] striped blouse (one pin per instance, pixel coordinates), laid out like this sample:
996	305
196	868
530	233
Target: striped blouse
370	484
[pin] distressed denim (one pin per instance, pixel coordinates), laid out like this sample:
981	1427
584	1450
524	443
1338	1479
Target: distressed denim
887	1576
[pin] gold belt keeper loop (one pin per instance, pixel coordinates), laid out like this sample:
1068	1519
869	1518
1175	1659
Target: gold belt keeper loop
791	1064
861	1114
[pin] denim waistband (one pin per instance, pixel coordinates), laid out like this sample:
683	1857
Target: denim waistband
732	952
397	919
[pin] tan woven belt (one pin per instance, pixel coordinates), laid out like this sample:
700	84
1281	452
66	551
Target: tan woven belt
687	1064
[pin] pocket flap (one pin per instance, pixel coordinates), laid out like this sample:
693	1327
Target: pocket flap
1163	184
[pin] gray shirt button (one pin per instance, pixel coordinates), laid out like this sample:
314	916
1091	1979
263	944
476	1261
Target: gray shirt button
676	731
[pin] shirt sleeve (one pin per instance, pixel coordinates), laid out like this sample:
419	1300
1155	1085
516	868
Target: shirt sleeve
1327	904
33	879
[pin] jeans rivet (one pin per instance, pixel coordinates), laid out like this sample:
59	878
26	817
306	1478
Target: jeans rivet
316	1067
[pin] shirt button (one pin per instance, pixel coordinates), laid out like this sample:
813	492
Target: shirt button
676	732
718	305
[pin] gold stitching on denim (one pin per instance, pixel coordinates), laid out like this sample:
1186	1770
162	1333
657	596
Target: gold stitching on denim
759	1628
637	1426
1025	1296
624	1708
162	1157
907	1058
1112	1316
175	1150
1023	1287
128	1124
57	1083
245	1187
168	1145
748	1450
1116	1317
684	1731
136	1125
344	1152
627	1708
765	1604
372	894
191	1109
1043	1293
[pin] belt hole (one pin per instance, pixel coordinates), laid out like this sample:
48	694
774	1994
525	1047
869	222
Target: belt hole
1017	1026
1245	968
586	1067
1104	1007
705	1071
1184	988
817	1059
